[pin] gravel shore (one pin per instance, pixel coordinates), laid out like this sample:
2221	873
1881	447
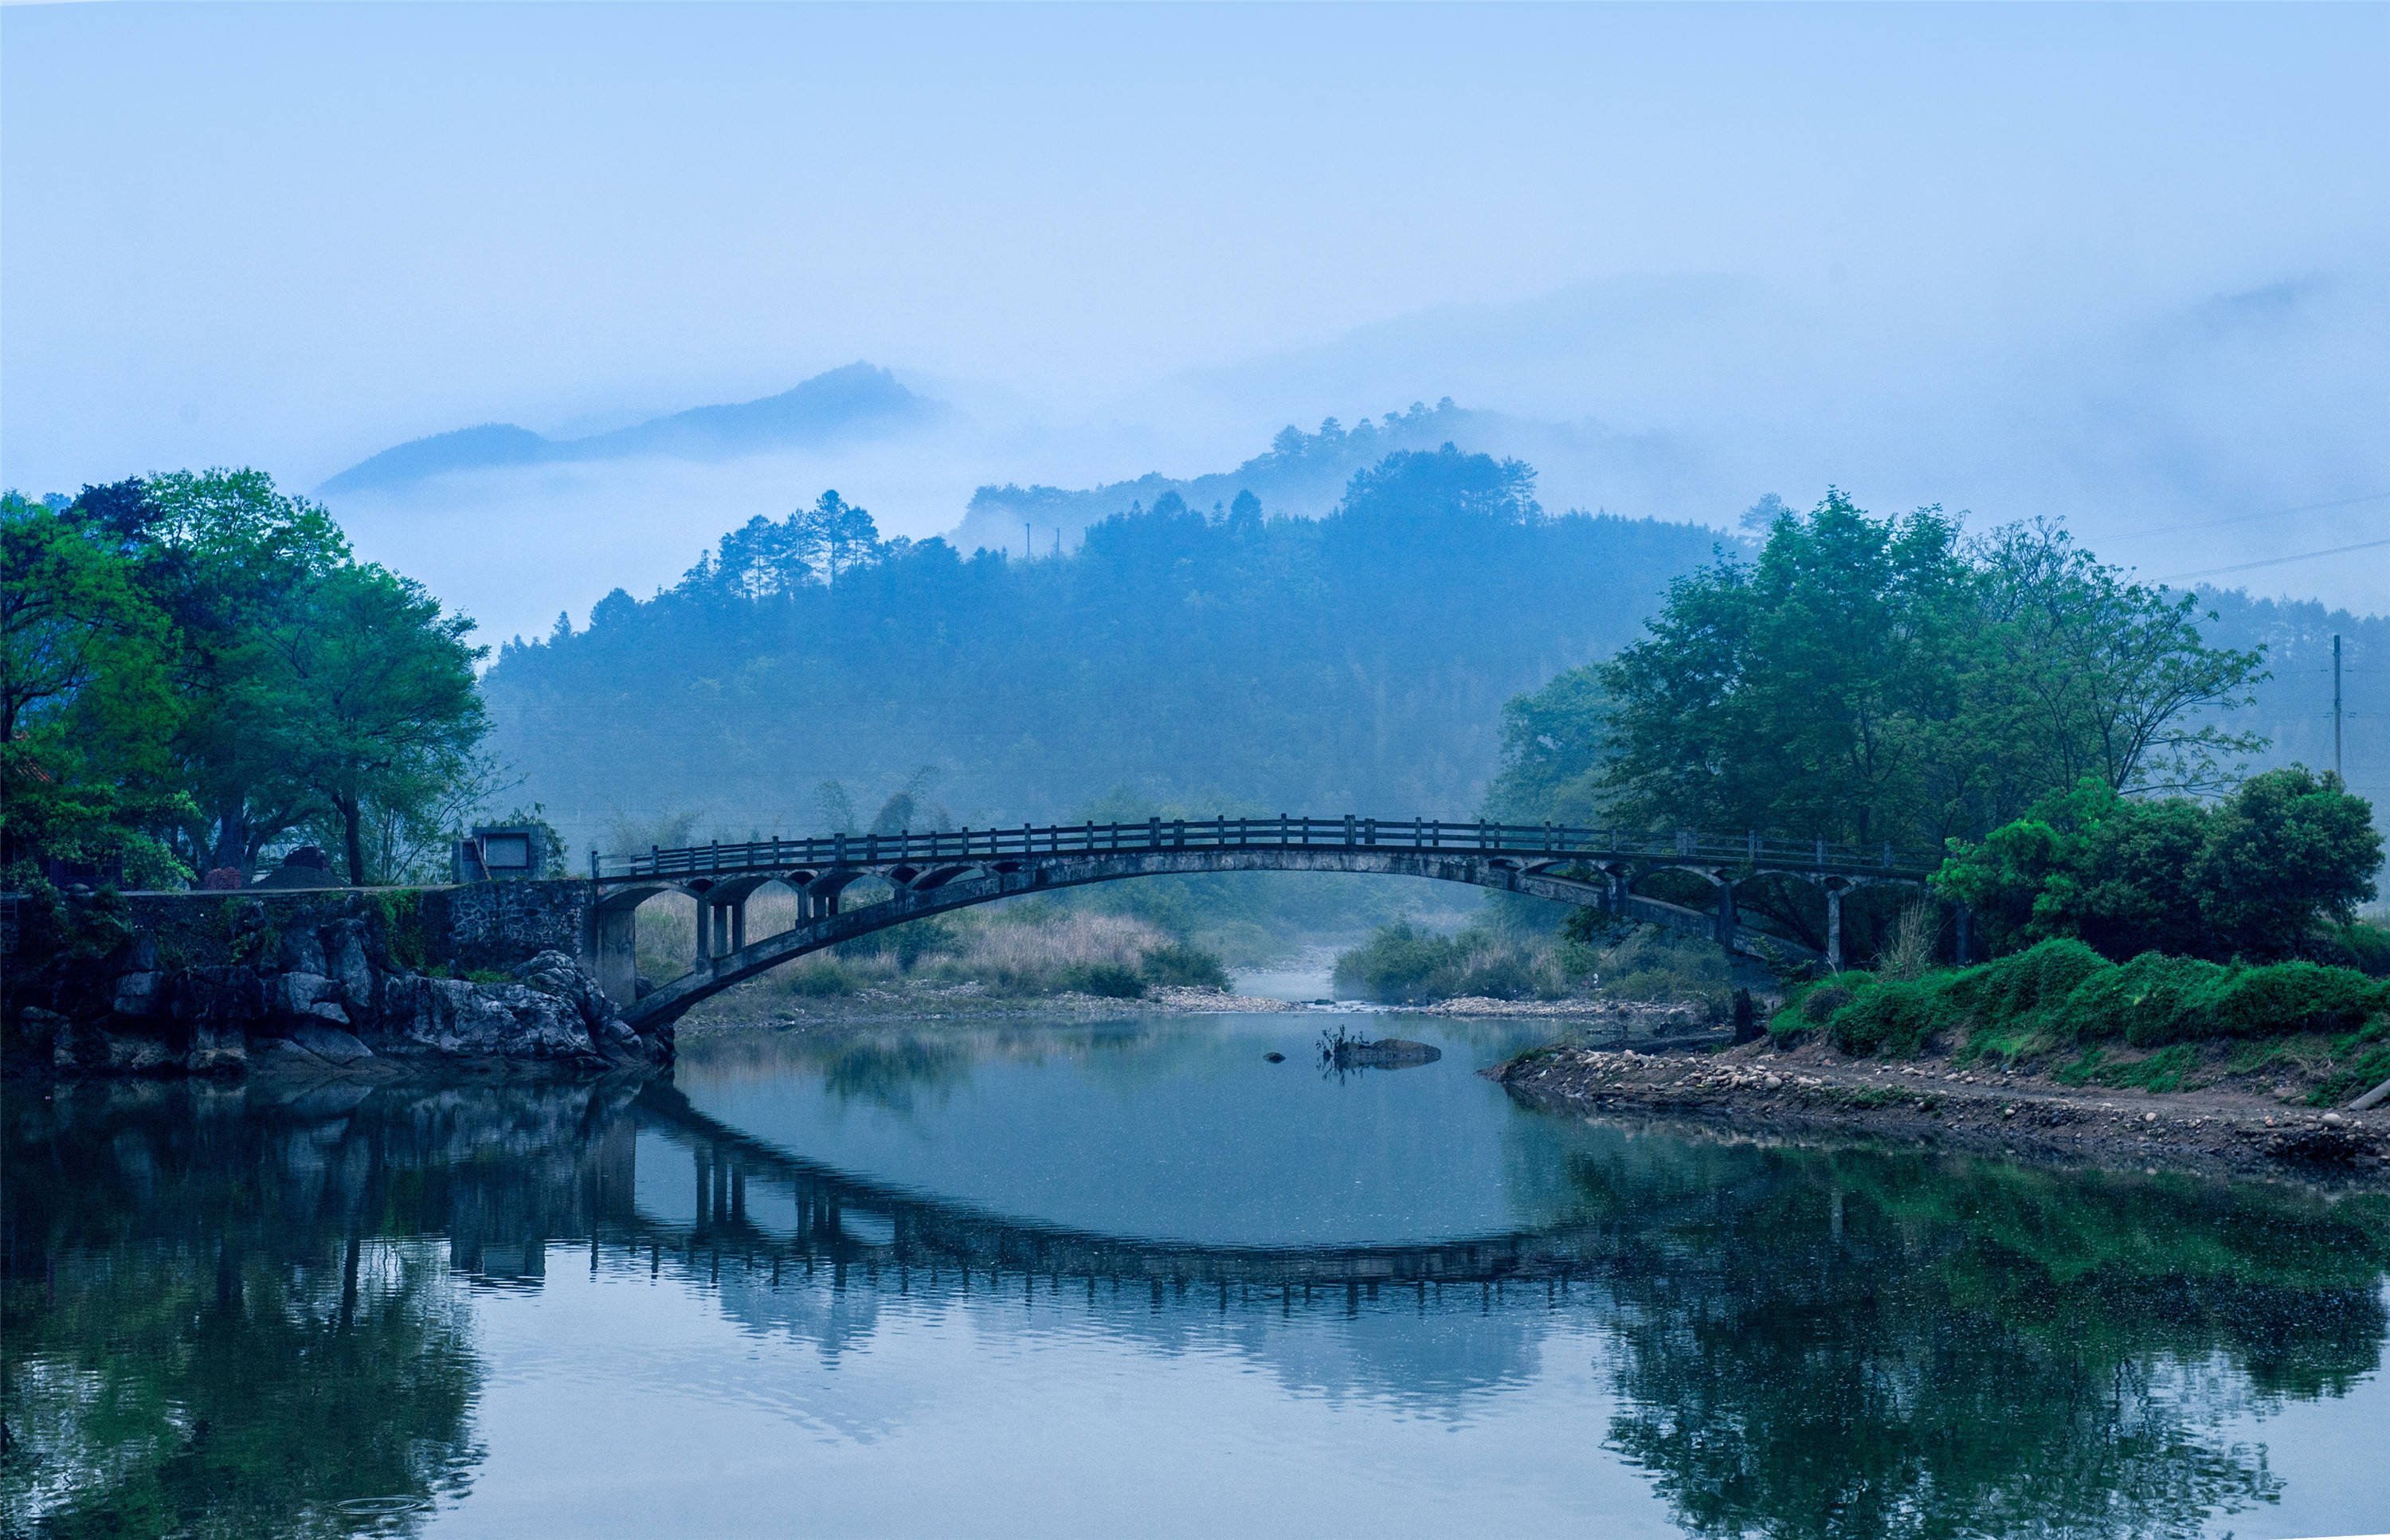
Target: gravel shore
1761	1087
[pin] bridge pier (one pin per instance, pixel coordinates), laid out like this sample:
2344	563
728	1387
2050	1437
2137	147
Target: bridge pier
1834	927
1725	913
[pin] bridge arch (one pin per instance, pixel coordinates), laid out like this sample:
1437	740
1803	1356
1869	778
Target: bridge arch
933	873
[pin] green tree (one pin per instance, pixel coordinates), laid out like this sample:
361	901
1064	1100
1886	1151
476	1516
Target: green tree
1885	679
232	561
1553	753
86	706
834	535
370	699
2252	876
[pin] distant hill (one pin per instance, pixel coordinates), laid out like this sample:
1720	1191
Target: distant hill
1357	661
1304	474
845	403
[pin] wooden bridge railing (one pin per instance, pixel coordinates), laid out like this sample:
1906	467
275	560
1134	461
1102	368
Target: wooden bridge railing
1539	842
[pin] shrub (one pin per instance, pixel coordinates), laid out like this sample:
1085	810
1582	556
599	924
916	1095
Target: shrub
2289	998
1109	980
1897	1016
1819	1004
903	945
2360	945
2146	1001
1183	966
819	977
1404	966
2037	979
1652	964
1395	963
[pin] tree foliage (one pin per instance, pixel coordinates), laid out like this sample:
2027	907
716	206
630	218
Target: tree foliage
1868	679
2250	876
196	668
1200	657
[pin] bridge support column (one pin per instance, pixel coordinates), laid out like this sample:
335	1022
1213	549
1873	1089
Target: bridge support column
1833	928
617	951
738	924
1726	919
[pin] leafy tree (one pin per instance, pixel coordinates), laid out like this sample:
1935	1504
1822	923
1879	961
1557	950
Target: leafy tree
1269	663
1883	679
86	706
231	561
2106	677
1553	745
370	699
2252	876
835	535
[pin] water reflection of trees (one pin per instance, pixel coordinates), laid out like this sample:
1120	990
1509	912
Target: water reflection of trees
1866	1344
228	1313
220	1317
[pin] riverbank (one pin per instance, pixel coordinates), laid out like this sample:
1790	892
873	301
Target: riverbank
1761	1089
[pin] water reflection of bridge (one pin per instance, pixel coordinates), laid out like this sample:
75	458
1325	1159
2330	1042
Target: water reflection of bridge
851	1223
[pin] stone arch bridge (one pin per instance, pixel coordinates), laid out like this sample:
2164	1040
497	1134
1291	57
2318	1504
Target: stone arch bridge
929	873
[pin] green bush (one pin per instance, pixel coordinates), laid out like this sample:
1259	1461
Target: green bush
1112	981
1896	1016
1183	966
1403	966
2290	997
819	977
1396	963
2147	1001
909	943
2362	945
2062	992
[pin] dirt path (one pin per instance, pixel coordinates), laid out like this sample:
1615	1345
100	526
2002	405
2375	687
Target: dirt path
1982	1108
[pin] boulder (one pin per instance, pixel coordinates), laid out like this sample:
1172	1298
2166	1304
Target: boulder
344	947
330	1043
212	1052
302	952
137	995
296	992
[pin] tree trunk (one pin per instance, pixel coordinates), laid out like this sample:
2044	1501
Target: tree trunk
351	820
232	836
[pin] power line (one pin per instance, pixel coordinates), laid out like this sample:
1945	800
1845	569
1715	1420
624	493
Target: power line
2276	561
2244	517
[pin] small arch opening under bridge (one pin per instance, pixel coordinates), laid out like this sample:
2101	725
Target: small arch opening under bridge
911	876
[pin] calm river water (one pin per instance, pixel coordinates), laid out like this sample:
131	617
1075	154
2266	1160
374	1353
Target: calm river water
1133	1278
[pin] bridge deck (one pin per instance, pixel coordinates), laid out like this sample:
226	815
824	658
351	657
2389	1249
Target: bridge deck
1524	841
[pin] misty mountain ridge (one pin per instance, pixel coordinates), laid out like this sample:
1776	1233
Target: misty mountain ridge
1299	474
855	401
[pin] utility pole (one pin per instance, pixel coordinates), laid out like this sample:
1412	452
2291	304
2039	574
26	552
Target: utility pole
2336	710
1025	552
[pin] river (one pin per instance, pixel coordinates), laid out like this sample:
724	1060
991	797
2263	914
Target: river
1054	1277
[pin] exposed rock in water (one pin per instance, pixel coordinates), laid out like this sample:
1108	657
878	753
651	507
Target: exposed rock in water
1386	1053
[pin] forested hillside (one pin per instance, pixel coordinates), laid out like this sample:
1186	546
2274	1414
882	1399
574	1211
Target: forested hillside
1237	659
1305	473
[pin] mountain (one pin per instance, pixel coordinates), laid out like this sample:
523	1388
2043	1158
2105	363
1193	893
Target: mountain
854	402
1304	474
1256	661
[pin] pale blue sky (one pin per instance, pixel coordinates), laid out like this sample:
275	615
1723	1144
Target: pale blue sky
294	234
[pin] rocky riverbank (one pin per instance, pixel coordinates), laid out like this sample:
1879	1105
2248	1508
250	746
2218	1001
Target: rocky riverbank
321	986
1759	1088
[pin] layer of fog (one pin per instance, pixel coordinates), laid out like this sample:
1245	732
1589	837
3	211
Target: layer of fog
1682	398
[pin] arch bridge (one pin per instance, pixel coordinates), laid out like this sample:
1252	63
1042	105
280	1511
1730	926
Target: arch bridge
930	873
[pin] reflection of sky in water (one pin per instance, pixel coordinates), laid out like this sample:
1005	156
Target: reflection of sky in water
1177	1129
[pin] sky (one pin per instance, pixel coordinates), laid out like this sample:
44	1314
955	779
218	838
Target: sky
1960	243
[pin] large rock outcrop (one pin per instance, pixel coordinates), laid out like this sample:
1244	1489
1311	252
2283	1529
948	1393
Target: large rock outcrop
320	990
